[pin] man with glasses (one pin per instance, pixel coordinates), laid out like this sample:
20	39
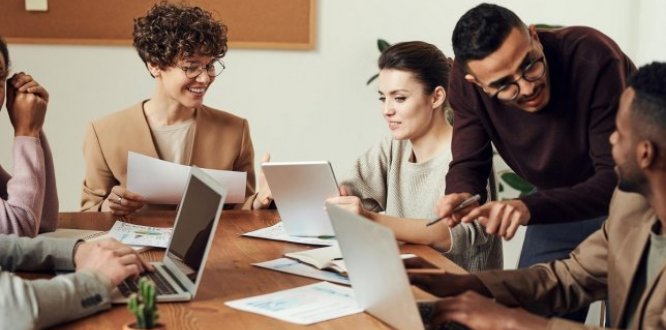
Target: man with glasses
546	99
622	262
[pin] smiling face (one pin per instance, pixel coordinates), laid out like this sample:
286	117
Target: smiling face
624	142
507	64
175	86
407	108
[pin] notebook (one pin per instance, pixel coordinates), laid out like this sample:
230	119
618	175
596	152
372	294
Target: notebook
178	275
300	190
377	273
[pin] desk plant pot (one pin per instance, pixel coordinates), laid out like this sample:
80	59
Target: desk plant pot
142	305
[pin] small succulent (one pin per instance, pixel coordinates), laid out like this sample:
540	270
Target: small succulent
142	305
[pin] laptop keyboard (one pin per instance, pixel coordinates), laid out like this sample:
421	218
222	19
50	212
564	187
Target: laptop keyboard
162	287
427	311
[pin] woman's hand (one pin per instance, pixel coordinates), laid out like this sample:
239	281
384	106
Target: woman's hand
122	201
264	195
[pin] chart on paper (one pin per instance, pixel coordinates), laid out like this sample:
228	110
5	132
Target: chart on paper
132	234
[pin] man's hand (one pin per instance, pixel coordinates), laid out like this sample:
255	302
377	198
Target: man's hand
478	312
500	218
26	104
446	205
352	204
264	194
111	259
122	201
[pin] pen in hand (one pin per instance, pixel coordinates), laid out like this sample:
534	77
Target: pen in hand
458	208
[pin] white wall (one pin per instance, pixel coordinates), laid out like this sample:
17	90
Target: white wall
302	105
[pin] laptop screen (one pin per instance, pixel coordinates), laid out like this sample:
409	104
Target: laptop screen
191	232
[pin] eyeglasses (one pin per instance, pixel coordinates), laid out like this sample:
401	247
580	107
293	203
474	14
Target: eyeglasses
213	69
534	71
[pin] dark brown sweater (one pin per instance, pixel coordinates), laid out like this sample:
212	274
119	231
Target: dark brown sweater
563	149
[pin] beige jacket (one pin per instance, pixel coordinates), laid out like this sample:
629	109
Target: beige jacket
221	141
602	267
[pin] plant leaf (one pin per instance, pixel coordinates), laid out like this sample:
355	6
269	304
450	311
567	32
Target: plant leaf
516	182
372	79
382	45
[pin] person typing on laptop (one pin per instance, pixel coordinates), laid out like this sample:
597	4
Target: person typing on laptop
99	266
623	261
397	183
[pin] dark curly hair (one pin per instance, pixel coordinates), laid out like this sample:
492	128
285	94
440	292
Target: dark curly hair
5	53
425	61
648	110
482	30
169	32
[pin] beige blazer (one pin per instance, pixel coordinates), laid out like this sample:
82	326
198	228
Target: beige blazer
601	267
221	141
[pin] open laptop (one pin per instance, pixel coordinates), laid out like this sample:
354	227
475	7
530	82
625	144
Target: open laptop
300	190
179	274
377	273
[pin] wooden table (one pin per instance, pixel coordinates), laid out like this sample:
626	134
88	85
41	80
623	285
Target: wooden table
228	275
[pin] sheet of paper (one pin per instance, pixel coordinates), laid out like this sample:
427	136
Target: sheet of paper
292	266
86	235
162	182
303	305
138	235
276	232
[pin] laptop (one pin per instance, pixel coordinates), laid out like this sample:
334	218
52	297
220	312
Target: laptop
300	190
377	273
178	275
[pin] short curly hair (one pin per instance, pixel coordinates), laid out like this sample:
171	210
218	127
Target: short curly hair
169	32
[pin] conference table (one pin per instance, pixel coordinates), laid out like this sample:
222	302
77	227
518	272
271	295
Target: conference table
228	275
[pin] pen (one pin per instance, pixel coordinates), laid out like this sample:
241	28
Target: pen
458	208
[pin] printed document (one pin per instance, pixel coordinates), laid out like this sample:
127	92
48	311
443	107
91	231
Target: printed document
162	182
138	235
276	232
303	305
295	267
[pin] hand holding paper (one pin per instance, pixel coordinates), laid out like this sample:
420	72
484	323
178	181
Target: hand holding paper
162	182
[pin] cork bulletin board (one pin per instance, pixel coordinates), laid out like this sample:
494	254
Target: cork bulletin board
283	24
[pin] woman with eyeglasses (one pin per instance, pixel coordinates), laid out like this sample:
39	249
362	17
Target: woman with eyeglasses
398	182
182	48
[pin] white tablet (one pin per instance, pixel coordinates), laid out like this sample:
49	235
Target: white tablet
300	190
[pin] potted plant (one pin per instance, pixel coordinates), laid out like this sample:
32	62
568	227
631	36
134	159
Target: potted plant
142	305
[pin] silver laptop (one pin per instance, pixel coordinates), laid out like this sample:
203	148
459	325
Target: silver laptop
377	273
300	190
178	275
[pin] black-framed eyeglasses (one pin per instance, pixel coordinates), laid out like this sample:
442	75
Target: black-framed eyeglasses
534	71
213	69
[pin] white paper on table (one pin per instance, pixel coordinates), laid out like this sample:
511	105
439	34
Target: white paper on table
292	266
276	232
303	305
162	182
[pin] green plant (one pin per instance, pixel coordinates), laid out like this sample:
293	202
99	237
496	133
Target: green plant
516	182
142	305
381	45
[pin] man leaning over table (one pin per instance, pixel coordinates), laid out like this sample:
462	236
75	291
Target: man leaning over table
622	262
546	99
100	267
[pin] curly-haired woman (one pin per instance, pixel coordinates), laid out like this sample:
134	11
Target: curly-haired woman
182	47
